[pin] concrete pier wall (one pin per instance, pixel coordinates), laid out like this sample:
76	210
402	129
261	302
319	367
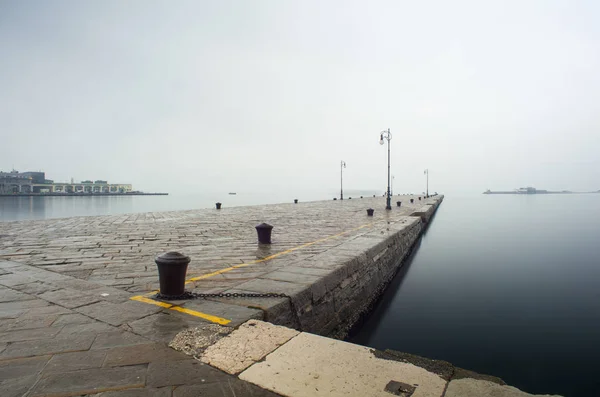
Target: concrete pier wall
353	275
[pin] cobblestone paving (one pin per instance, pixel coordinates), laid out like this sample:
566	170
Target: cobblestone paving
52	344
119	250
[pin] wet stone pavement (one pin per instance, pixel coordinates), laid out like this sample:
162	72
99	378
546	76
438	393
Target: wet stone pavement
69	326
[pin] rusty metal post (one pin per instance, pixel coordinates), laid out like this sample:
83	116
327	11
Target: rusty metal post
172	267
264	233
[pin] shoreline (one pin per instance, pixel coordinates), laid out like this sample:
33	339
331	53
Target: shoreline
79	194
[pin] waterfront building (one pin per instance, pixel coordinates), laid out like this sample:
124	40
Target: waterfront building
35	182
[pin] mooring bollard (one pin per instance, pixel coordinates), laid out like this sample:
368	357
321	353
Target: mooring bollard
412	201
398	203
218	206
370	211
335	198
349	198
373	195
361	197
295	201
419	198
172	267
264	233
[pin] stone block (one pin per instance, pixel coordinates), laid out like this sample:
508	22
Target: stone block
110	313
89	381
251	342
315	366
68	298
162	327
29	334
17	387
48	346
230	388
146	392
234	313
10	295
21	367
118	338
183	372
75	361
141	354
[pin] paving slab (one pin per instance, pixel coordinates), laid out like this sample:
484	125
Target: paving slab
251	342
47	346
75	361
118	338
111	313
21	367
159	392
68	298
235	314
163	327
88	381
17	387
183	372
29	334
230	388
311	365
140	354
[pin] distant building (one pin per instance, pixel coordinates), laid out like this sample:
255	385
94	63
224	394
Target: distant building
36	182
526	190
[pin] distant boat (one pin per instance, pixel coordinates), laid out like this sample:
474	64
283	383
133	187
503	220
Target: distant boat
232	193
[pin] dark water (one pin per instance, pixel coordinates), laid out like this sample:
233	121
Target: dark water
503	285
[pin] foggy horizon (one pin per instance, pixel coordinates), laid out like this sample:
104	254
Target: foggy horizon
262	96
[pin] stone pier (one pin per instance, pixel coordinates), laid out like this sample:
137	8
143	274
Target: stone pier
329	258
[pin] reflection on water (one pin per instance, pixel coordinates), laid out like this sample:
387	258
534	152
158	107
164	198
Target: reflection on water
24	208
503	285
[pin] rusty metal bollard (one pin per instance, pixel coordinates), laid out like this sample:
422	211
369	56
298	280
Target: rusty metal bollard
172	267
218	206
370	211
398	203
295	201
412	201
264	233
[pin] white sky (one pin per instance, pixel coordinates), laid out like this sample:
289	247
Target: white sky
261	95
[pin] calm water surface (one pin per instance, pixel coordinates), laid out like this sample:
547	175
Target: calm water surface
503	285
25	208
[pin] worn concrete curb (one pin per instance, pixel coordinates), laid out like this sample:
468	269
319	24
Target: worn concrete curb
301	364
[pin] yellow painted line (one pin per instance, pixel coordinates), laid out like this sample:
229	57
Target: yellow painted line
209	317
145	298
141	298
268	258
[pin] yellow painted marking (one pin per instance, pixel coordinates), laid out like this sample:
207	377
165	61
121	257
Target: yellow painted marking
209	317
268	258
143	299
223	321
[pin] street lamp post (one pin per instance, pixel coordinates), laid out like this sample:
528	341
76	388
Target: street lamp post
387	135
427	173
342	166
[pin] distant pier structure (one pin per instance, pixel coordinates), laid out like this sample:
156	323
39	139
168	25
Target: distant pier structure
35	182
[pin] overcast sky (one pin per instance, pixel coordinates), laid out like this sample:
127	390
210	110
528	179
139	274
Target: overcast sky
261	95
